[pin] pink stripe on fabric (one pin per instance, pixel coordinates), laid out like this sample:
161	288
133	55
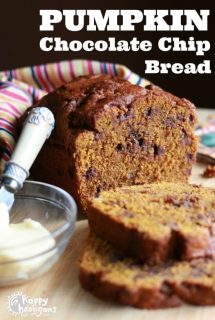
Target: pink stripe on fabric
90	67
37	95
101	67
60	73
5	157
14	108
15	74
40	77
37	74
7	127
110	70
71	70
29	90
49	82
128	76
6	73
13	114
6	144
14	95
5	124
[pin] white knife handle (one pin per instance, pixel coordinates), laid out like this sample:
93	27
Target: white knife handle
37	128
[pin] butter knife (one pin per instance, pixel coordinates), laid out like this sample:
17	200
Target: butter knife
37	128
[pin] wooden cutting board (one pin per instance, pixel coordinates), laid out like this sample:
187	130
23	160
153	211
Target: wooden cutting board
61	286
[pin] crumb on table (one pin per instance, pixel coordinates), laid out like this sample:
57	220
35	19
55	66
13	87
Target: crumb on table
209	172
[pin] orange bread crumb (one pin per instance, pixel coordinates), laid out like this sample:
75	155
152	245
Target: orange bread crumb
209	172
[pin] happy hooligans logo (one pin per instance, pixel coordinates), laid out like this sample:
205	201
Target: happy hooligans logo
20	304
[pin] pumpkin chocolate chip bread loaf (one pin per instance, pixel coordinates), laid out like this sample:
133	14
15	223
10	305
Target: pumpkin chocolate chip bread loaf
158	221
108	274
111	133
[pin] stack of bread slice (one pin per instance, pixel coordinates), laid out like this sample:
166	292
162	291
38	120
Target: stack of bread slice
151	246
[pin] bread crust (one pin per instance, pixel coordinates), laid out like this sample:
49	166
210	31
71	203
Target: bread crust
142	298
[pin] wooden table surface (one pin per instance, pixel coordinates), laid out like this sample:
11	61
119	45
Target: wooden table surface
61	286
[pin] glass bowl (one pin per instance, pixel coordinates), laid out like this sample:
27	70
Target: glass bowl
56	210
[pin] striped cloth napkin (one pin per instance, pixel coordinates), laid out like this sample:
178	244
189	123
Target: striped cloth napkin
21	88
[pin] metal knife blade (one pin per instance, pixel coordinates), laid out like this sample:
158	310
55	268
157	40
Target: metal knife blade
6	197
